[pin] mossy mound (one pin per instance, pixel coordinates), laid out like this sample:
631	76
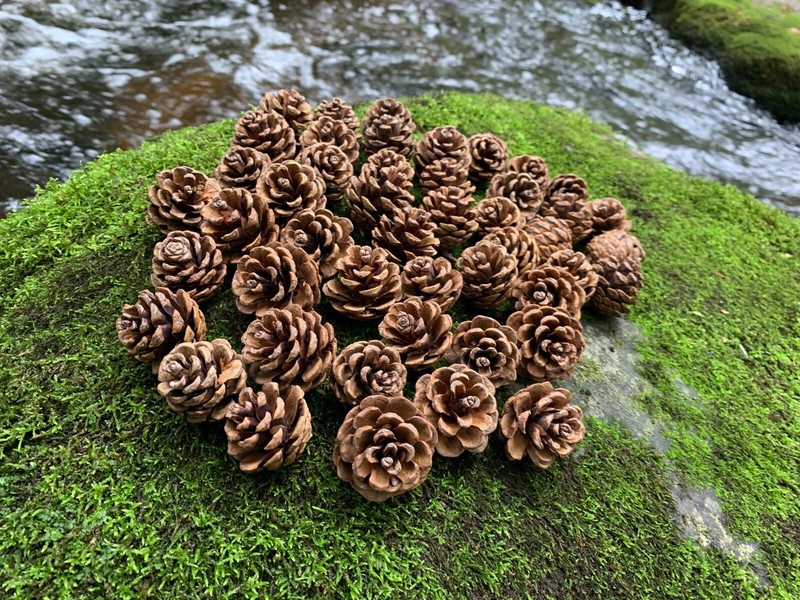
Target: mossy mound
105	493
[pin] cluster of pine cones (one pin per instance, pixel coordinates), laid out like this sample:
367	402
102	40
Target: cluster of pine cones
267	215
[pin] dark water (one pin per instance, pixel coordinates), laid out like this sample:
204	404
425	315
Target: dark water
80	77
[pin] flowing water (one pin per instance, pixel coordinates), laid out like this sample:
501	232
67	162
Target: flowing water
79	77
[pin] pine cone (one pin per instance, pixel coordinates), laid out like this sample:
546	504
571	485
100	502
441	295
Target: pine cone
384	447
615	243
418	330
446	172
386	158
569	185
158	322
617	259
568	199
332	164
338	109
290	187
200	379
451	213
238	221
460	404
188	261
578	266
322	235
520	188
497	213
266	131
550	341
269	429
551	234
289	346
533	165
241	167
327	131
388	107
442	142
368	284
487	347
274	276
489	273
489	155
519	243
434	279
376	192
388	124
178	197
607	214
539	421
367	368
406	234
291	105
549	286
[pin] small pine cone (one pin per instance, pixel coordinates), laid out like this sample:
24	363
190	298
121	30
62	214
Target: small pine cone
291	105
617	259
188	261
238	221
489	155
338	109
387	107
546	285
418	330
241	167
267	132
520	188
487	347
551	234
567	199
289	346
290	187
460	404
608	214
489	273
434	279
446	172
322	235
200	379
384	447
367	368
406	234
388	124
497	213
578	266
451	213
158	322
519	243
443	142
615	243
332	164
386	158
368	284
274	276
328	131
178	197
550	341
539	421
568	185
533	165
377	191
269	429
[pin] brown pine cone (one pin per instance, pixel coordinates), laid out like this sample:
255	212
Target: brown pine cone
489	155
451	213
446	172
368	284
406	234
608	214
520	188
539	421
384	447
533	165
266	131
617	259
489	273
377	191
274	276
519	243
487	347
367	368
569	185
550	341
290	187
615	243
200	379
551	234
568	199
158	322
238	221
289	346
338	109
388	124
389	107
442	142
188	261
178	197
332	164
497	213
418	330
322	235
291	105
578	266
546	285
241	167
434	279
327	131
386	158
460	404
269	429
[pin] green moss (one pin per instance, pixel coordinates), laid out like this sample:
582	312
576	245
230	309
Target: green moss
104	493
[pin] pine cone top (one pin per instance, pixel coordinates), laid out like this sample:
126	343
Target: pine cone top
489	155
332	164
489	273
617	259
178	197
387	107
241	167
432	279
290	187
291	105
615	243
551	234
375	192
386	158
533	165
274	276
608	214
573	209
200	379
578	266
450	211
442	142
550	341
568	186
188	261
520	188
498	213
487	347
329	131
460	404
519	243
406	234
266	131
419	330
546	285
446	172
269	429
367	368
384	447
388	132
338	109
322	235
289	346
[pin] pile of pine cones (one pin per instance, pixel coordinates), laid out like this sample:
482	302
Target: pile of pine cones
272	214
